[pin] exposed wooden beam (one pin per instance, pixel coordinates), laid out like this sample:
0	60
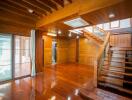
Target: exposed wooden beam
78	7
70	1
48	3
28	6
8	2
15	11
38	5
60	2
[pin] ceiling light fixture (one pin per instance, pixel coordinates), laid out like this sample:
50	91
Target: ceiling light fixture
59	32
30	10
51	34
77	37
70	34
111	15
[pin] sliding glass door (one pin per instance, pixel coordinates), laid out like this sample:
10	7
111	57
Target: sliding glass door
15	61
22	61
5	57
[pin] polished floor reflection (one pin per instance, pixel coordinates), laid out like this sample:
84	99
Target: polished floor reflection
60	82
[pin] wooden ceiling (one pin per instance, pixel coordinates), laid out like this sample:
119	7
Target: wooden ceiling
25	13
121	11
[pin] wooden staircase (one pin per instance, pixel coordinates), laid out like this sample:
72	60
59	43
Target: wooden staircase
116	72
113	68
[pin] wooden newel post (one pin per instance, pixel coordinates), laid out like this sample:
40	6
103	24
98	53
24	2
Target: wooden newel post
95	73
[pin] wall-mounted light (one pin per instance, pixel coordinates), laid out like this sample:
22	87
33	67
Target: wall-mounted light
51	34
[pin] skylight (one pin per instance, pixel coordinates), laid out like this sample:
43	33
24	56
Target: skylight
78	22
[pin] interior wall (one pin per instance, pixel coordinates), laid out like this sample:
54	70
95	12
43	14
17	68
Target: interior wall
72	50
62	51
16	30
121	40
47	50
87	52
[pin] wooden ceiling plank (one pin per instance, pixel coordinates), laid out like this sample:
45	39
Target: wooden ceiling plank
28	6
70	1
60	2
38	5
48	3
15	11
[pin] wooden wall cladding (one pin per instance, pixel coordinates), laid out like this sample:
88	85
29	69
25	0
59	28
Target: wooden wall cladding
87	52
121	40
47	50
16	30
72	50
39	52
62	51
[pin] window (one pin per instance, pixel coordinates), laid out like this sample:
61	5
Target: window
115	24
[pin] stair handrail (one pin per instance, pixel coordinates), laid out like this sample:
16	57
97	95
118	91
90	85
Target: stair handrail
102	53
103	49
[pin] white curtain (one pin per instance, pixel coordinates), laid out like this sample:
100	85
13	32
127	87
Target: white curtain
33	71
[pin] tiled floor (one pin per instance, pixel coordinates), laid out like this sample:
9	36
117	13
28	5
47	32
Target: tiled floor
61	82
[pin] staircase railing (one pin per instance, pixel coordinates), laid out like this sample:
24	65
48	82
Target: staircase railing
104	48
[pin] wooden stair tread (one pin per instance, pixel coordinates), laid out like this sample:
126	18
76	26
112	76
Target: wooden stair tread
110	80
116	87
119	73
119	67
121	48
119	61
99	94
112	75
118	53
120	57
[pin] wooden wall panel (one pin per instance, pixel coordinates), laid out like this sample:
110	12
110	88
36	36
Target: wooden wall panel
121	40
16	30
62	51
39	52
47	50
87	52
72	50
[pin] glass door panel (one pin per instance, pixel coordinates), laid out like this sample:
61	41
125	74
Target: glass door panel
22	56
5	57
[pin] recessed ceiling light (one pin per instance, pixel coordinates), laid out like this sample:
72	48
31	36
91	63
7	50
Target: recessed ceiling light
77	22
111	15
30	10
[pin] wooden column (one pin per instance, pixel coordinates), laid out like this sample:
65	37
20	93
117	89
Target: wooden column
39	52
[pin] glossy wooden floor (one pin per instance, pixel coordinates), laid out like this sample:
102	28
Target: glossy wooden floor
60	82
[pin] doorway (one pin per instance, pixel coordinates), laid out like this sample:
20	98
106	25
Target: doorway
54	57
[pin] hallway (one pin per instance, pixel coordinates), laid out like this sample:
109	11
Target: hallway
60	82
